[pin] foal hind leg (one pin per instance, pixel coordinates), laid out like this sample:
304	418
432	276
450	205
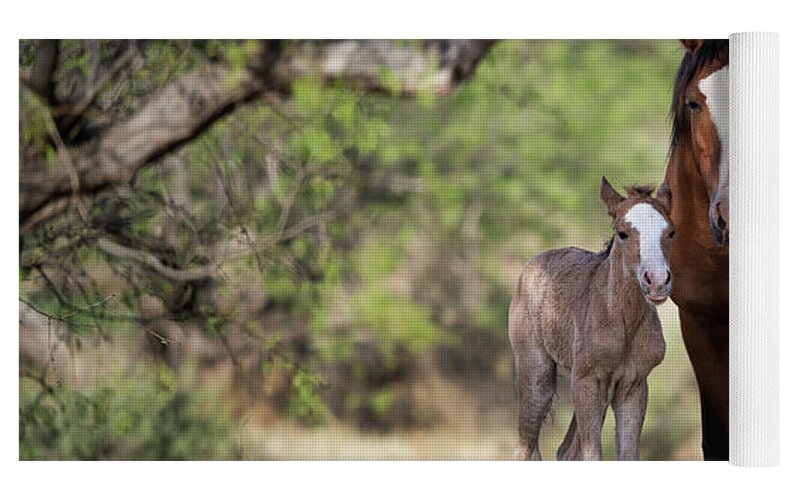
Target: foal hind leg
535	382
569	449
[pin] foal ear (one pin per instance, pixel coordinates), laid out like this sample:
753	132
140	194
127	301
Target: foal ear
663	196
610	196
692	45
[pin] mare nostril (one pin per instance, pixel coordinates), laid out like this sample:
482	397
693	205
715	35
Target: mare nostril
718	220
669	277
647	278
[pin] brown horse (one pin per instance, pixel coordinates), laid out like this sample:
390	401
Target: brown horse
697	179
594	314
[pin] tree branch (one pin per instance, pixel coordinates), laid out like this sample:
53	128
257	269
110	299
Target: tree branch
171	117
141	257
380	65
41	76
183	108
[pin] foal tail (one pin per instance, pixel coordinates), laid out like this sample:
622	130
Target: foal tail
568	450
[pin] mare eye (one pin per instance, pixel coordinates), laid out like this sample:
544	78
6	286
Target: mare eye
622	235
672	233
694	106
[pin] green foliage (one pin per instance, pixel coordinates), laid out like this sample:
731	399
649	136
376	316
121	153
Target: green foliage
305	402
397	321
392	320
155	415
531	134
382	401
36	125
239	55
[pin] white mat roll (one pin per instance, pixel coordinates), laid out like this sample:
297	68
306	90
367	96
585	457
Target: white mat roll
754	407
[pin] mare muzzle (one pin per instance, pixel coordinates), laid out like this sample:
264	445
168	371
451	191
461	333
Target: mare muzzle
718	217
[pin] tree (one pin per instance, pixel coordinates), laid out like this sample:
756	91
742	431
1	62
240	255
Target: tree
110	151
323	229
119	223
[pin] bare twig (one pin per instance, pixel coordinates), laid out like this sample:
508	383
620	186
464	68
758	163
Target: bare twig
47	211
50	316
163	340
228	349
74	178
116	250
286	204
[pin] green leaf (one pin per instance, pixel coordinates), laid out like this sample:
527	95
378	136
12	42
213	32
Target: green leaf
390	81
345	113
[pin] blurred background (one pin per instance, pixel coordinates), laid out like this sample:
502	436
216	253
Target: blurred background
307	250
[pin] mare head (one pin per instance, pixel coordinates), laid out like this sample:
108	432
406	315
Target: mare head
700	123
643	237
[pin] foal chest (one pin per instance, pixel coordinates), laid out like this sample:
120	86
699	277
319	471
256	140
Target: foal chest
619	352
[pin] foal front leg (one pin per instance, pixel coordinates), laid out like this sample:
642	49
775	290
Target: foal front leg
590	406
629	405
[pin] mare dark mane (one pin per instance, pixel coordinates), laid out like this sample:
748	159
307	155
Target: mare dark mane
701	288
691	65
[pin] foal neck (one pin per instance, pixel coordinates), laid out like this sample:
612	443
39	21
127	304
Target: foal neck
624	297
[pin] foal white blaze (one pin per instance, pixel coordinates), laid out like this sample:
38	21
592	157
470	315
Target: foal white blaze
715	88
650	225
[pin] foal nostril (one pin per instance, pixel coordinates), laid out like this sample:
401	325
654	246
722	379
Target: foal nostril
669	278
647	278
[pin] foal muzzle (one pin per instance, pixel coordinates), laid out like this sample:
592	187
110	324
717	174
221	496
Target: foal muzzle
656	284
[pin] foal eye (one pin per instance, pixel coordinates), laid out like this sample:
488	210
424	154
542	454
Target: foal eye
622	235
672	233
694	106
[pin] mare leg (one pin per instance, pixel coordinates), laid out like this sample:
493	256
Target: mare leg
535	383
707	346
569	449
629	405
715	433
590	406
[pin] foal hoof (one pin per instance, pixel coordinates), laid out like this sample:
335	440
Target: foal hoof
524	455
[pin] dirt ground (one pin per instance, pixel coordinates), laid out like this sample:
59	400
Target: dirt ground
485	428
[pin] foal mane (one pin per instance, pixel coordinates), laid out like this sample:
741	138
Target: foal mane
603	254
637	192
691	65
